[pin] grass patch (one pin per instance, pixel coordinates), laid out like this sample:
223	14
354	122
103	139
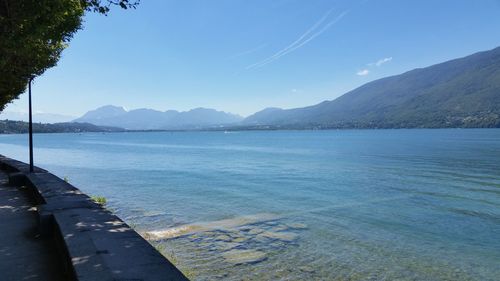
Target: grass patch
101	200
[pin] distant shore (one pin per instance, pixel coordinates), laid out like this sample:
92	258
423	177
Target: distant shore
21	127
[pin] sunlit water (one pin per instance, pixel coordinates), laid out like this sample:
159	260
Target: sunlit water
297	205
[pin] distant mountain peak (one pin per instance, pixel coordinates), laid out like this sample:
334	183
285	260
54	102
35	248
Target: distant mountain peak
102	112
111	109
110	106
270	109
201	109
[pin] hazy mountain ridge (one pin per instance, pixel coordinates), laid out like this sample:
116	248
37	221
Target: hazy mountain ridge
463	92
149	119
38	117
21	127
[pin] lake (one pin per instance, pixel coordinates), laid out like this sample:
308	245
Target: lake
296	205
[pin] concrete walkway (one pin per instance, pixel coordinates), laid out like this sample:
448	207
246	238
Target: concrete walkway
23	254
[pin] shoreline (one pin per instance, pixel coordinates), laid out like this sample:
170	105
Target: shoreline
227	130
93	243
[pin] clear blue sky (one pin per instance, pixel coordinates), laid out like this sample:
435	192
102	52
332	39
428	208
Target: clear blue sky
242	56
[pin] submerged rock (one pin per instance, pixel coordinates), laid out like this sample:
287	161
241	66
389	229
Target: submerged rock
280	227
306	268
255	231
245	227
283	236
237	256
223	237
226	246
210	228
297	225
204	244
234	233
277	244
240	239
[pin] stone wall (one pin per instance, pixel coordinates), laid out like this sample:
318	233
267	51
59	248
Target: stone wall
93	243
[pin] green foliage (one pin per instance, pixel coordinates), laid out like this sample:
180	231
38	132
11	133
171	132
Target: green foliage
33	34
98	7
99	200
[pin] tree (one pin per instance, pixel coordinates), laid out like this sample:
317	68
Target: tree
33	34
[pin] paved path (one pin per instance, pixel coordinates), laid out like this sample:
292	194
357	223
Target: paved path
23	255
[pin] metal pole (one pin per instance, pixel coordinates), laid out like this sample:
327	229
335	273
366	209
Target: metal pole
30	127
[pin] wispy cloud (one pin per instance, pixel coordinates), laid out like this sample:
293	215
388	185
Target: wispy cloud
248	52
382	61
378	63
363	72
314	31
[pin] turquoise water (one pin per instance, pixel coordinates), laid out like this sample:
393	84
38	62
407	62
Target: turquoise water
295	205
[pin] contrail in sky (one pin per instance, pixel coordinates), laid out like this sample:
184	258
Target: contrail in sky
311	29
247	52
305	38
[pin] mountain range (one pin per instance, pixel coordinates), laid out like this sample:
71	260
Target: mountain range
464	93
149	119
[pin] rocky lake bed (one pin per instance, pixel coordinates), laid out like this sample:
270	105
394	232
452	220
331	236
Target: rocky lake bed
245	244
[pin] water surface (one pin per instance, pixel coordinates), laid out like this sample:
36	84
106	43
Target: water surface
295	205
